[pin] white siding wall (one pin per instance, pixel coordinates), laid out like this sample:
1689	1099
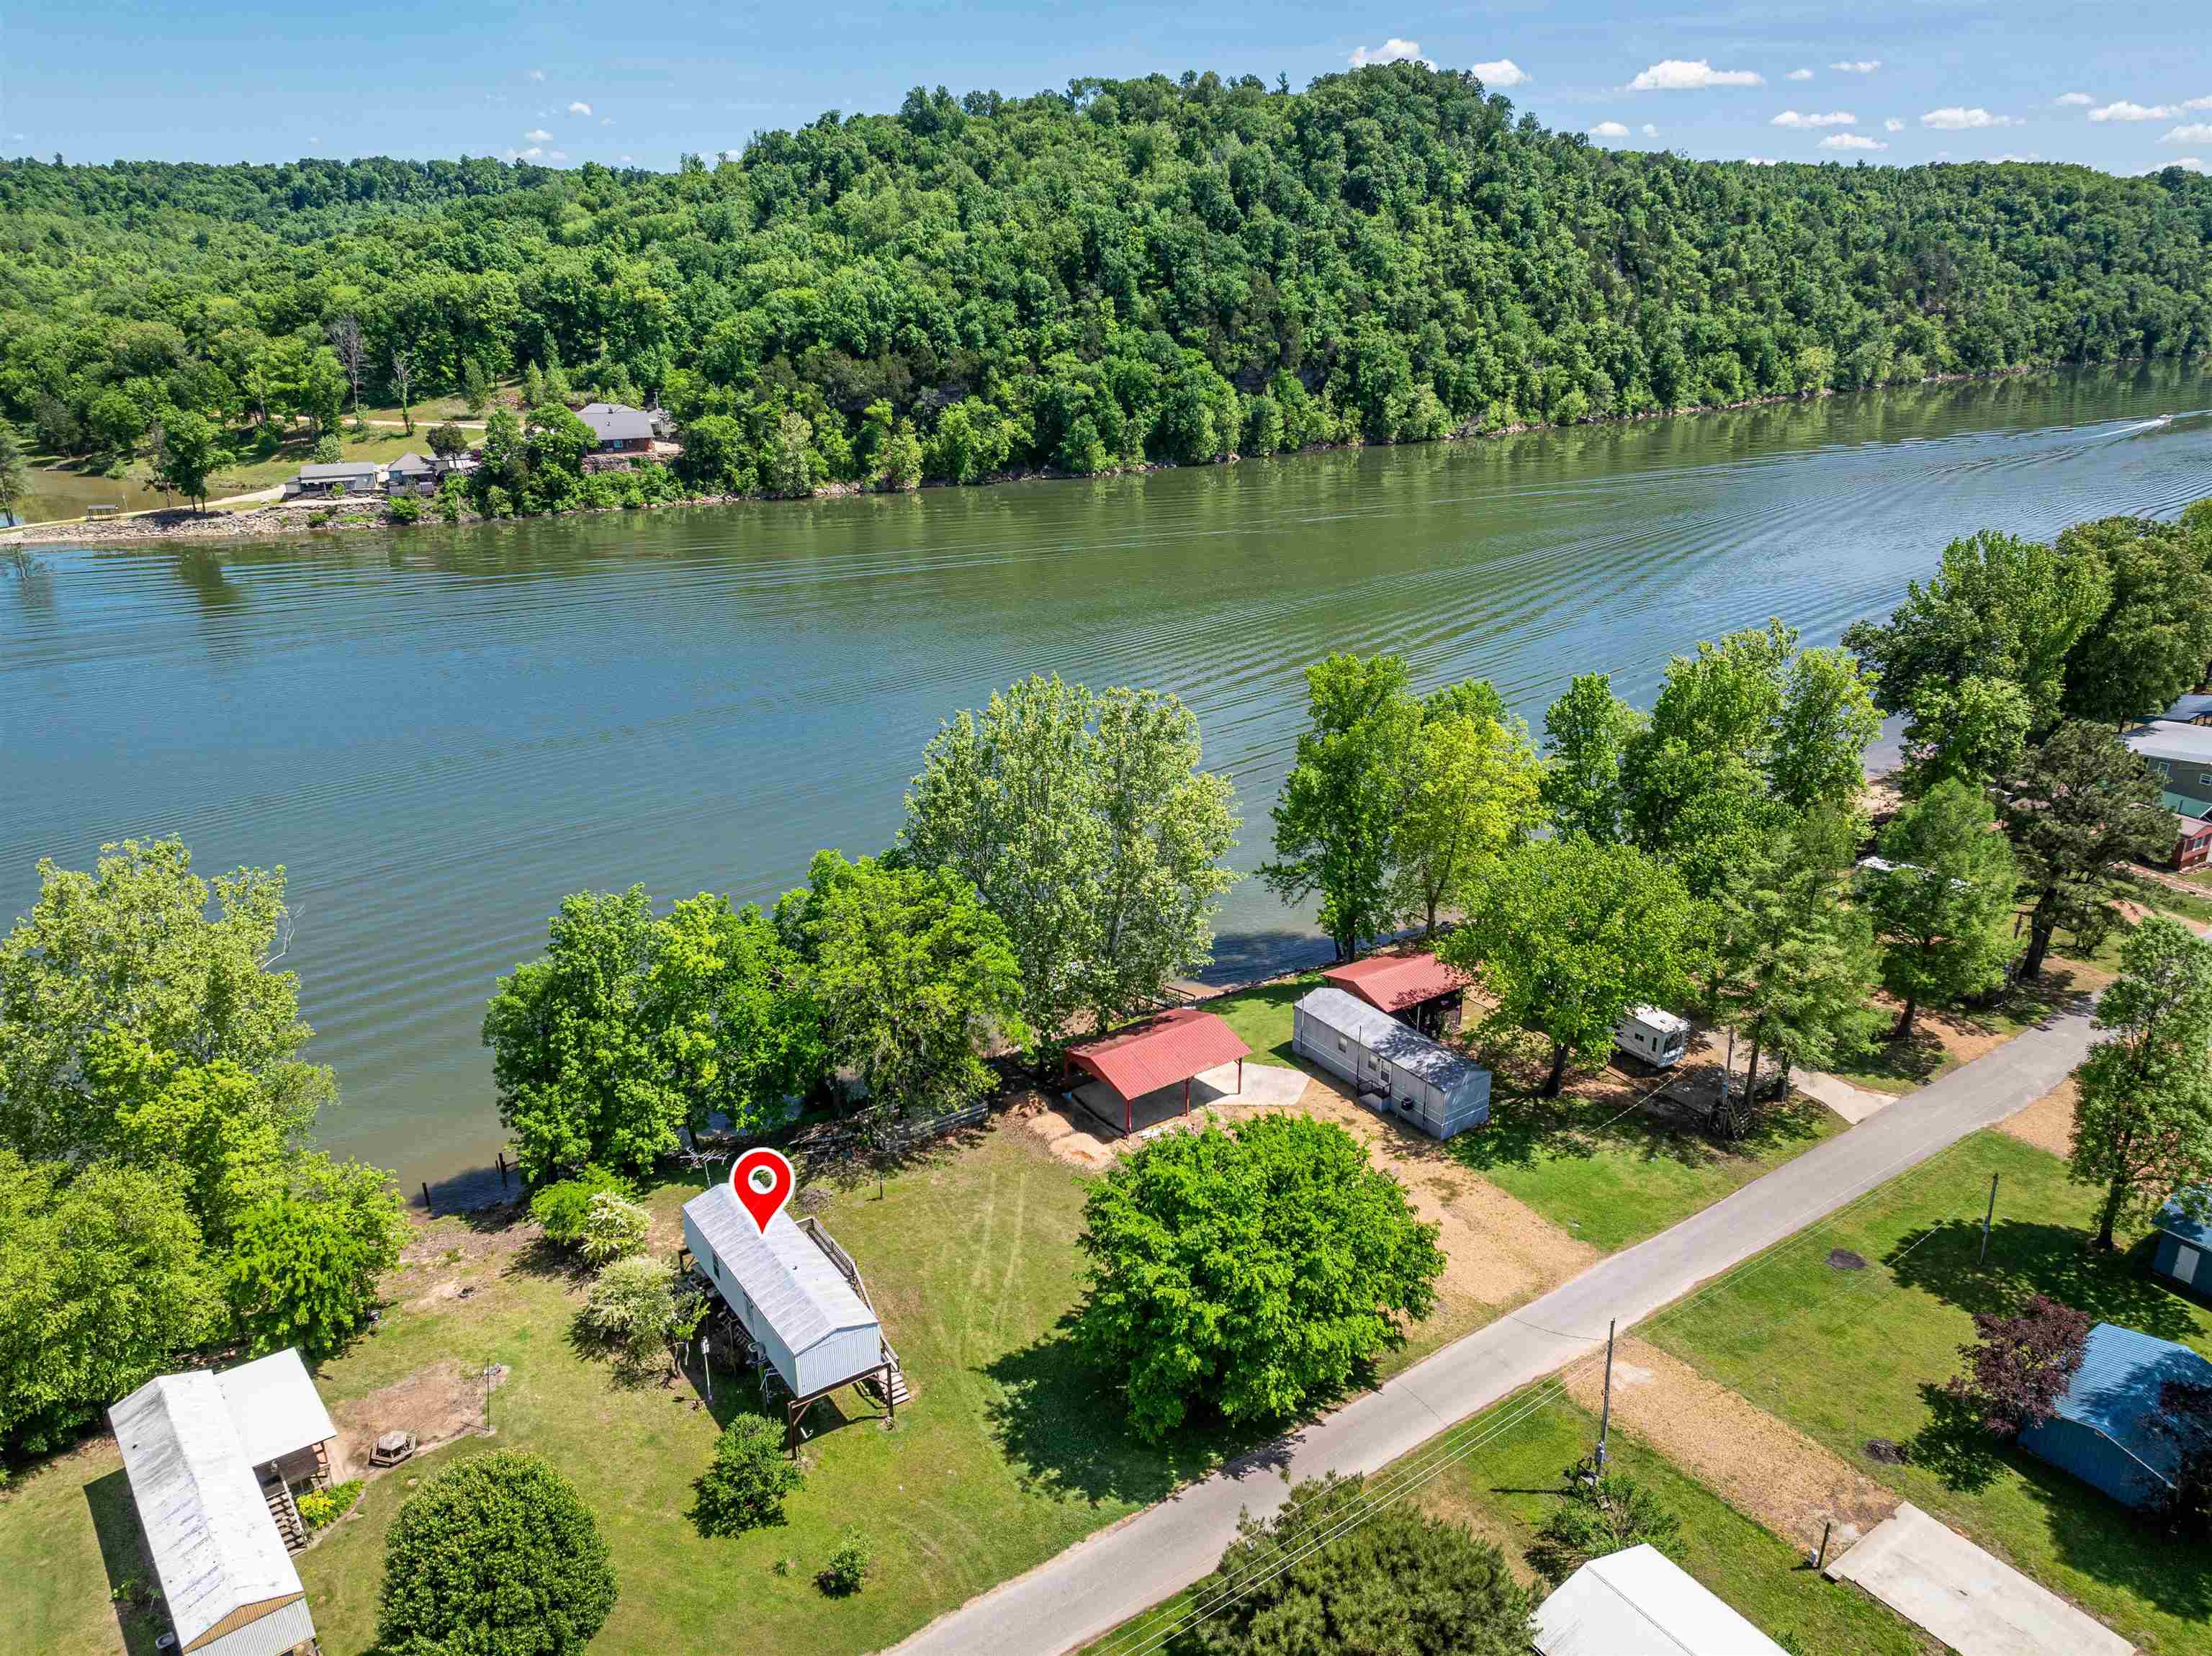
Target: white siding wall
725	1284
839	1357
843	1356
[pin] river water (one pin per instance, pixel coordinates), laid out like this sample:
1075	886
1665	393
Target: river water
440	731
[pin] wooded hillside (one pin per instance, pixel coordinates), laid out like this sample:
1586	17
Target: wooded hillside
1130	271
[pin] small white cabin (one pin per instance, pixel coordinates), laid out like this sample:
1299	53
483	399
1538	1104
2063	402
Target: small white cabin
1422	1083
1656	1036
818	1332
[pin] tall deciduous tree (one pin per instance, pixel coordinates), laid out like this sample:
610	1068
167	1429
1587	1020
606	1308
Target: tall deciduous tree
1567	935
2077	811
14	472
1817	756
304	1263
1974	732
1586	733
1331	1573
1088	828
1939	910
2000	607
351	349
403	383
2021	1364
1336	818
190	449
732	1012
914	977
2154	636
1249	1272
1474	790
2142	1125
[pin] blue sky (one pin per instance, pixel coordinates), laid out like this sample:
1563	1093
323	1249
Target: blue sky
2127	88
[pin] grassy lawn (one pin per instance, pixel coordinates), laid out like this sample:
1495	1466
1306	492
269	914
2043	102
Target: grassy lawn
1007	1453
1853	1355
1505	1489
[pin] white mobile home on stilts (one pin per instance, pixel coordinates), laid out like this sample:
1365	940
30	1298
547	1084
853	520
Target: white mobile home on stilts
1422	1083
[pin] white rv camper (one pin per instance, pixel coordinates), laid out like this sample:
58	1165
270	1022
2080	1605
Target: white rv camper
1657	1037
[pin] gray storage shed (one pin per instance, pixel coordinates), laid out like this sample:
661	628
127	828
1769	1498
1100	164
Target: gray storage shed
1424	1084
2183	1253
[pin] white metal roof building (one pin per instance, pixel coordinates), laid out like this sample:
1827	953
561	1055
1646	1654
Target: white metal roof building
816	1330
190	1444
1426	1084
1640	1602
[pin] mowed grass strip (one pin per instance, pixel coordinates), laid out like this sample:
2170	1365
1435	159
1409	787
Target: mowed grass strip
1858	1354
1501	1473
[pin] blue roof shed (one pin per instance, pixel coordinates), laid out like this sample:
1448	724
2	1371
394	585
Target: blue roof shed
2182	1253
2101	1430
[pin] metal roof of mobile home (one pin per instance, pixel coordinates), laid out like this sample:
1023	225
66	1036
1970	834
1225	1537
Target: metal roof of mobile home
794	1284
275	1406
1168	1048
1394	982
1640	1602
2160	740
2176	1220
2115	1391
214	1545
1384	1037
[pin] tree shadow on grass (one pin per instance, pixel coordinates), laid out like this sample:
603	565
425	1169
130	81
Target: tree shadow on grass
2123	1550
2027	1257
1955	1446
1911	1061
1062	1425
1523	1131
123	1556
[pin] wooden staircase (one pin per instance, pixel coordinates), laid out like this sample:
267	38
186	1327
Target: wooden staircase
898	1392
285	1512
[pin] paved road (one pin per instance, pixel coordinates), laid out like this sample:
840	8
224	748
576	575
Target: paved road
1099	1583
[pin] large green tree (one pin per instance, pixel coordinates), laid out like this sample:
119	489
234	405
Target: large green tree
494	1556
305	1260
1340	1568
2154	636
2077	811
190	450
1336	818
1474	789
1586	733
1939	910
1088	828
1248	1272
14	472
1566	935
914	980
2142	1124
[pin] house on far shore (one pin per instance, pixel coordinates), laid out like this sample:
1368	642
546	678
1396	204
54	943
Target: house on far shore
1639	1601
2183	1255
625	436
346	477
410	474
1418	990
213	1460
2102	1429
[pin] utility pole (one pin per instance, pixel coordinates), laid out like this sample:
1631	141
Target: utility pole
1605	1419
1986	1217
488	1366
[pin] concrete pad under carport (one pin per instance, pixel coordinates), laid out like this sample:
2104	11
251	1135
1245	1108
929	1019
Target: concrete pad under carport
1937	1580
1264	1084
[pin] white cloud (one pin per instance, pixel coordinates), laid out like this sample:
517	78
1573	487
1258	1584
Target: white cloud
606	120
1858	65
1892	124
2190	164
1678	74
537	135
1799	74
2073	100
2195	132
1851	141
537	74
1608	130
532	153
1650	130
1392	51
2031	156
626	161
1762	160
1504	72
2124	111
1955	119
2199	103
580	108
1836	117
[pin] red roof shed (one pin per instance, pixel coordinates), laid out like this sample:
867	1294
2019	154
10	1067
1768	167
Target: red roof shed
1168	1048
1391	983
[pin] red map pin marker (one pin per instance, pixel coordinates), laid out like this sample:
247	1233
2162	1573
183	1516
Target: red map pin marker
761	1181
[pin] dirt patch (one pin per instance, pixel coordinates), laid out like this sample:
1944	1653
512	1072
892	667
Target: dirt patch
2047	1123
438	1405
1842	1259
1760	1466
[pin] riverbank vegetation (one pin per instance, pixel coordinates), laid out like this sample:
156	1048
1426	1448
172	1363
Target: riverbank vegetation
1129	272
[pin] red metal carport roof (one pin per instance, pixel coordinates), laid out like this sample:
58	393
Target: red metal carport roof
1161	1051
1391	983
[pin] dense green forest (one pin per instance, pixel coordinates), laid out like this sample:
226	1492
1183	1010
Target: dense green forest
1132	270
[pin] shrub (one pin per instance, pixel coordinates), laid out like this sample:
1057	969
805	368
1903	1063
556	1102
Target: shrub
320	1508
2022	1365
304	1263
404	509
746	1486
1608	1516
632	1306
560	1209
849	1564
613	1229
496	1557
326	453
